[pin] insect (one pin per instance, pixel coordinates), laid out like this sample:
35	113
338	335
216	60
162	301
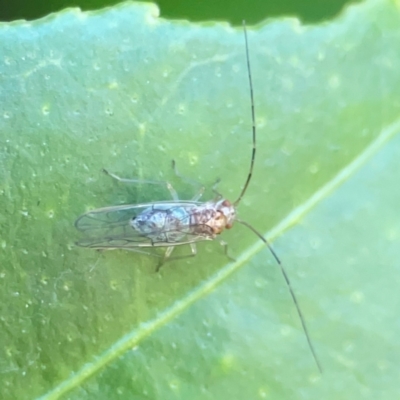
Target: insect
171	223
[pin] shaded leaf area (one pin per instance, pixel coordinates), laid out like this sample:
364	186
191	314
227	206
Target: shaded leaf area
125	90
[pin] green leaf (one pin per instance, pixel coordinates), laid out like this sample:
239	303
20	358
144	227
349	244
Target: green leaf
124	90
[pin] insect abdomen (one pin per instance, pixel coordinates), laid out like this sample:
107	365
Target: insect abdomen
163	224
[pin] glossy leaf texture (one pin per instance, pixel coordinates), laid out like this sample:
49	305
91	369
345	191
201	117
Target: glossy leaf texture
124	90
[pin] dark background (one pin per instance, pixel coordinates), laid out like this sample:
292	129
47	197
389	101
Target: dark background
234	11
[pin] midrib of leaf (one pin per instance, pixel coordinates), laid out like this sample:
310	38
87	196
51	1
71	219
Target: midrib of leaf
145	329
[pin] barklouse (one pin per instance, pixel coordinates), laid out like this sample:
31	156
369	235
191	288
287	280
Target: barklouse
171	223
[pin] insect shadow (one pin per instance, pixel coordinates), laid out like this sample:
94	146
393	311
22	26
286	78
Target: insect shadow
146	226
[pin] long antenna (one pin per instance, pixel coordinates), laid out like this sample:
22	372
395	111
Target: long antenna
253	156
253	119
285	275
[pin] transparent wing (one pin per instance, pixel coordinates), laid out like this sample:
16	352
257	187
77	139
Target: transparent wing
111	227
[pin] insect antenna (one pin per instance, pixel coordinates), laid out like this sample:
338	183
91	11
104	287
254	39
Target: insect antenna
277	259
294	298
253	119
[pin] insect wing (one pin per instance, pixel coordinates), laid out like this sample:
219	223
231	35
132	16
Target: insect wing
111	227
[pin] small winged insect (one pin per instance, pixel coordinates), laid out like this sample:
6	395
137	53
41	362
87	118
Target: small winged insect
144	227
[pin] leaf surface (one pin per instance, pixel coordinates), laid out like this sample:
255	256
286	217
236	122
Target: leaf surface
124	90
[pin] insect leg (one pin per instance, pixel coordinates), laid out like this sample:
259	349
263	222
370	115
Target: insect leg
171	249
173	192
226	249
214	189
195	183
148	253
192	182
166	257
